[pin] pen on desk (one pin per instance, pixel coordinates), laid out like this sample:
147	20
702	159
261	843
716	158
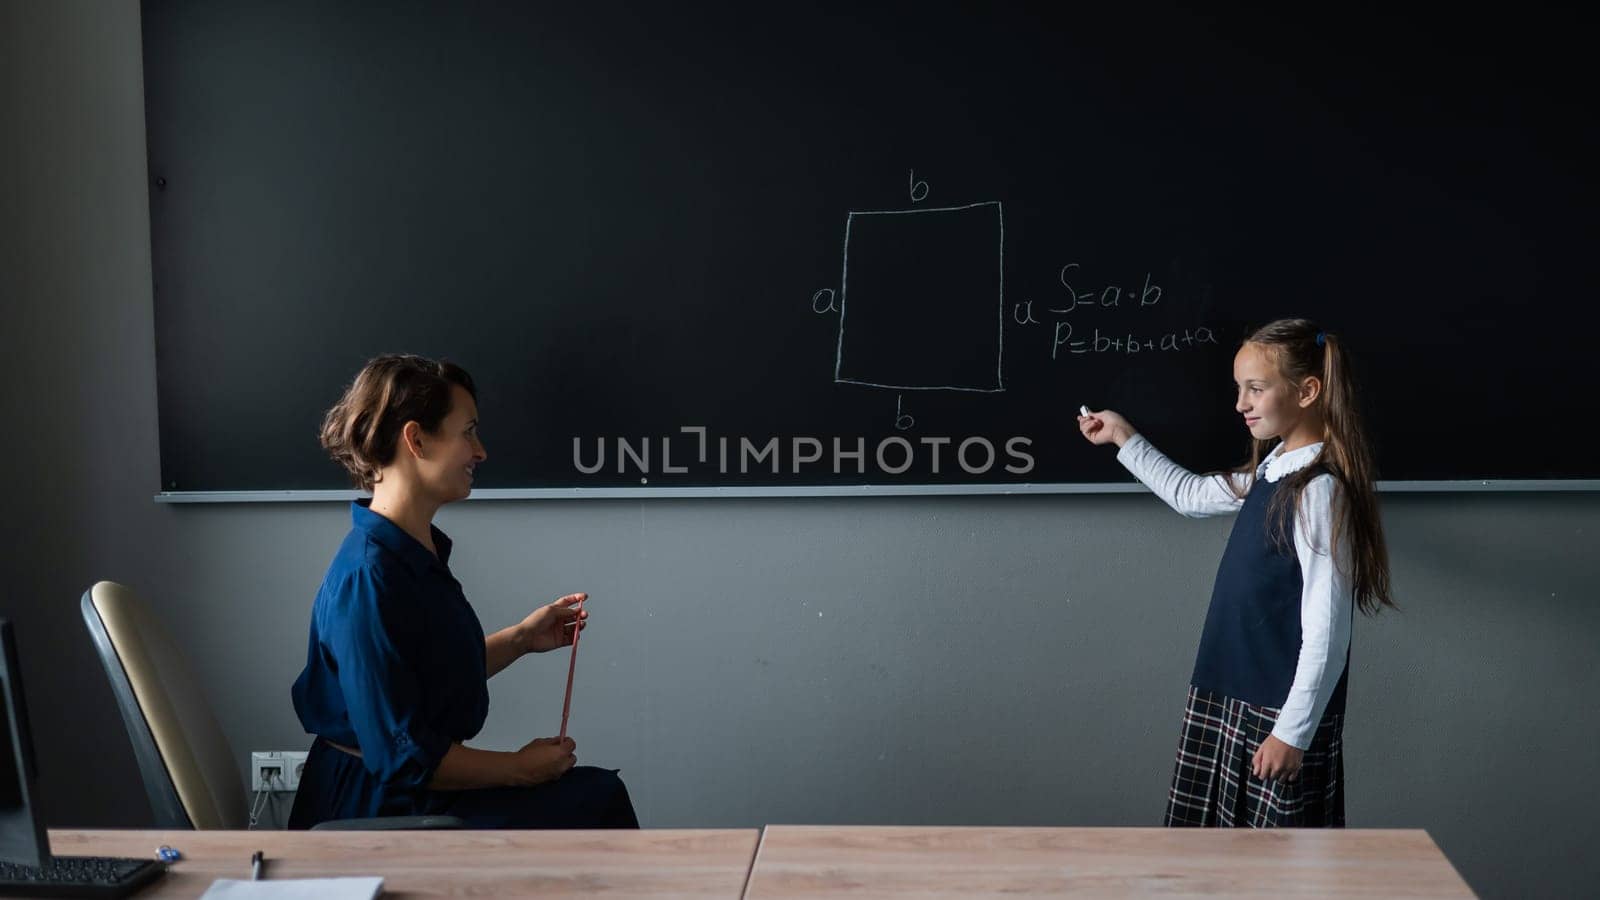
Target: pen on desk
258	862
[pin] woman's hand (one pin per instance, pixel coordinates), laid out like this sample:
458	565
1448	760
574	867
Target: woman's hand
1105	427
468	768
554	625
1274	759
542	760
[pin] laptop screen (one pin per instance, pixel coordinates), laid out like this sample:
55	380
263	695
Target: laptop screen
22	836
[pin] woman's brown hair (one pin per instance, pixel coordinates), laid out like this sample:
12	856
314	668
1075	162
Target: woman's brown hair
1300	350
362	431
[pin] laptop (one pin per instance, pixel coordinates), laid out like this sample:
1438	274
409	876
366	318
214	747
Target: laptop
26	867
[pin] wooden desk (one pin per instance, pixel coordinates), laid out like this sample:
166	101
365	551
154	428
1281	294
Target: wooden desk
805	861
447	863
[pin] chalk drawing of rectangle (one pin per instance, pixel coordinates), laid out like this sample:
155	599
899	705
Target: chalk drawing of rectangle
922	300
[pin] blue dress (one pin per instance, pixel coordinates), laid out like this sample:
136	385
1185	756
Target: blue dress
396	668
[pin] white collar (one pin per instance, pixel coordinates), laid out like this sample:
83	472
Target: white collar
1278	463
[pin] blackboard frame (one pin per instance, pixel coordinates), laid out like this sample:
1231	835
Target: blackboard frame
172	267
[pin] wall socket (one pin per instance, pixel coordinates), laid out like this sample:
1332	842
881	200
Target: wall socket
276	770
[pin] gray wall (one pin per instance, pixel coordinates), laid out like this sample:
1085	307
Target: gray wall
1017	660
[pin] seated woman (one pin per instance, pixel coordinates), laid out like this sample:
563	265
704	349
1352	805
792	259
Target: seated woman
396	676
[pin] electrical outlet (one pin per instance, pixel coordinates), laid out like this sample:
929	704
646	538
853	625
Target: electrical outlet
267	771
294	763
276	770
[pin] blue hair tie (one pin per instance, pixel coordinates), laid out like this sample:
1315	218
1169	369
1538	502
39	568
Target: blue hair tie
1321	339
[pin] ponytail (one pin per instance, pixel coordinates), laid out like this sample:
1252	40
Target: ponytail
1302	350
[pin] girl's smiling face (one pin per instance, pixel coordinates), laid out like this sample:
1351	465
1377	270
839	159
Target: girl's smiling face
1272	406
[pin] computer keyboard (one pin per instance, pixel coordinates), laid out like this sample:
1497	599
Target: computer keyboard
79	876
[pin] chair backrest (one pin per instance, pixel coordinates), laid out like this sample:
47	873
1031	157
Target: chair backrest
184	757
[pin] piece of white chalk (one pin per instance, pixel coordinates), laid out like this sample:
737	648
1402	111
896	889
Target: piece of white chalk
1083	410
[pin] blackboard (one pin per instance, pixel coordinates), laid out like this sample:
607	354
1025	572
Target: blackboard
707	240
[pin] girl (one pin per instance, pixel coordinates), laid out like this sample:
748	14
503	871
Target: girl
397	670
1262	734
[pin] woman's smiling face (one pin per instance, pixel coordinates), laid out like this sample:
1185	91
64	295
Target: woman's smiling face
453	451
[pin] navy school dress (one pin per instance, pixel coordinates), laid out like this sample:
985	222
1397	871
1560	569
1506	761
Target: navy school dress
396	668
1243	671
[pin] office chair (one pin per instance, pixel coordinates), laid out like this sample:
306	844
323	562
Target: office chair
187	764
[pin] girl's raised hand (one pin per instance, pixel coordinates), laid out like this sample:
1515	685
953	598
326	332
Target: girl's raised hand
1105	427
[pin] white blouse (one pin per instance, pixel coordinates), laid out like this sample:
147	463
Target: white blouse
1326	598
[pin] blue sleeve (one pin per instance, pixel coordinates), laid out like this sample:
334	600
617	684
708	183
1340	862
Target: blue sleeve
375	630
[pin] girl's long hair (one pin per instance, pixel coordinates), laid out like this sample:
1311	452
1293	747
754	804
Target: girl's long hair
1300	349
